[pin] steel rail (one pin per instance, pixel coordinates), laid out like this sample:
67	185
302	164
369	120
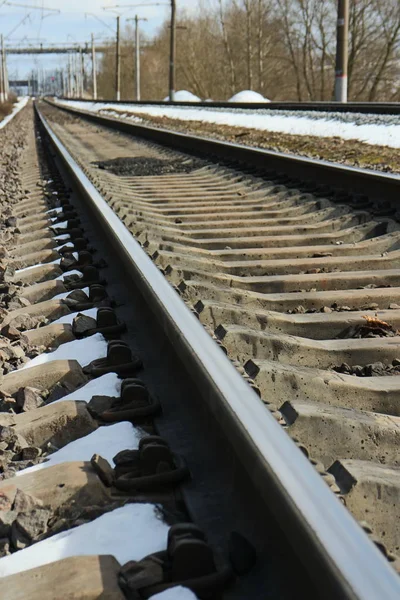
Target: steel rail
370	108
375	185
341	558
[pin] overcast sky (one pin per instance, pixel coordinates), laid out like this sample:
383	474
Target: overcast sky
28	22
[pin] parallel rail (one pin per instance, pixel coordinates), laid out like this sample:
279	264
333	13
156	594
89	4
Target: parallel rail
309	513
372	108
344	179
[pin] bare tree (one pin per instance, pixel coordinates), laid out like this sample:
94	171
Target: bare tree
227	46
284	49
248	8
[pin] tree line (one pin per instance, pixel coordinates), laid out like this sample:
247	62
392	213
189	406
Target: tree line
283	49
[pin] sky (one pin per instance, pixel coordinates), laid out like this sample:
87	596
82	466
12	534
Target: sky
29	22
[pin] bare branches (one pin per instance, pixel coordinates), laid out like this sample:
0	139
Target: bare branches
283	49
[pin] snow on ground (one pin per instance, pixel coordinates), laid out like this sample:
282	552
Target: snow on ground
128	533
21	102
63	237
61	225
53	262
371	129
90	312
176	593
73	272
84	351
106	441
64	245
65	294
26	269
105	385
184	96
248	96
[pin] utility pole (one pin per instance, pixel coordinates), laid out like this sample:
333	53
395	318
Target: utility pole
75	73
3	70
82	72
1	74
118	65
69	76
137	58
342	46
137	55
6	83
172	53
94	74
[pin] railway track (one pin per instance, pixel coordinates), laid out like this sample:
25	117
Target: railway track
372	108
245	278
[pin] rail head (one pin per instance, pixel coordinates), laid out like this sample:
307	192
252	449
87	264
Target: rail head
323	532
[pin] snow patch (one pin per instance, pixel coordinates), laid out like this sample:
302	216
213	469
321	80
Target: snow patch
66	245
65	294
348	126
52	262
73	272
17	107
106	385
184	96
61	238
106	441
62	225
90	312
128	533
248	96
175	593
25	269
84	351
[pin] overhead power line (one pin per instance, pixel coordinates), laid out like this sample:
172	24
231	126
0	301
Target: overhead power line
32	7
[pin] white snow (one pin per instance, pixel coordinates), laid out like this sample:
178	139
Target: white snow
90	312
248	96
175	593
54	210
62	225
184	96
383	135
17	107
106	385
25	269
65	245
84	351
106	441
61	238
73	272
128	533
53	262
65	294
